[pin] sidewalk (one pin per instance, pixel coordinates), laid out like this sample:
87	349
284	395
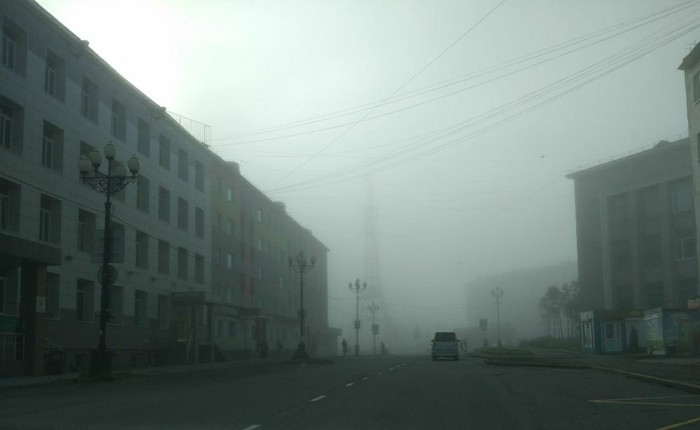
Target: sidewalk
679	372
33	381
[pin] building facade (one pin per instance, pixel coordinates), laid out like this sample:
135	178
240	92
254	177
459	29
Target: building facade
171	300
635	228
691	68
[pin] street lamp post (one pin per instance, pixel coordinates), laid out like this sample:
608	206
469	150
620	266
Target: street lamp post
373	308
115	180
357	288
497	293
301	266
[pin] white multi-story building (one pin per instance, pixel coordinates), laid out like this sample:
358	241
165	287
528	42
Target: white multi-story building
59	100
202	268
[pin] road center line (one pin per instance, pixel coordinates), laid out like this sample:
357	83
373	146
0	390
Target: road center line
316	399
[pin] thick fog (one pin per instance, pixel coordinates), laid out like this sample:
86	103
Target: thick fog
424	143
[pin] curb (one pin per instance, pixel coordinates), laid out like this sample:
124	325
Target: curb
516	363
685	386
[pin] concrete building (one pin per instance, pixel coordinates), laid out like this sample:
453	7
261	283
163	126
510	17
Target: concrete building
691	68
259	294
635	228
59	100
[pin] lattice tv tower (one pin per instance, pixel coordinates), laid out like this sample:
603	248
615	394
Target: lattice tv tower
374	294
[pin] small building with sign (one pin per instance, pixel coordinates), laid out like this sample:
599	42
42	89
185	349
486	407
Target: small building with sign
613	332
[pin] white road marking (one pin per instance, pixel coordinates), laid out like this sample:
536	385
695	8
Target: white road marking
379	373
252	427
365	378
317	398
350	384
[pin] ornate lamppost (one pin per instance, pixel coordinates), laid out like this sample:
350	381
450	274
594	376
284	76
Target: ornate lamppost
113	181
301	266
373	308
357	288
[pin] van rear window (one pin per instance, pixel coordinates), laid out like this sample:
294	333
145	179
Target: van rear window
445	337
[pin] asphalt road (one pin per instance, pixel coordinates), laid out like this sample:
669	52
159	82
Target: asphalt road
394	392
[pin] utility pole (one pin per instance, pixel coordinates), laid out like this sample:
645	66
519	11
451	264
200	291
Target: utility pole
497	293
357	288
375	327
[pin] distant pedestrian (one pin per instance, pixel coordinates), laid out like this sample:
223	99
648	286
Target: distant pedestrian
344	345
382	348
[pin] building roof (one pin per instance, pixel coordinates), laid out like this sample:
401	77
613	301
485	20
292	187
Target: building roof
691	59
662	146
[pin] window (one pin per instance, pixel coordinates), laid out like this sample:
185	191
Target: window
231	226
182	263
229	261
49	220
84	300
199	222
9	206
142	193
198	269
140	308
52	296
229	194
86	227
182	211
163	257
623	297
621	254
11	121
685	248
654	292
54	76
231	329
163	311
88	100
141	249
14	47
118	123
219	328
164	152
198	176
144	137
163	204
649	206
116	304
52	147
685	289
681	196
183	165
696	86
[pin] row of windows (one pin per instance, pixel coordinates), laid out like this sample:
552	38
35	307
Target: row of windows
13	56
50	231
652	295
87	311
650	251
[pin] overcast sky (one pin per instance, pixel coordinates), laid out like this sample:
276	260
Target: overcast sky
464	116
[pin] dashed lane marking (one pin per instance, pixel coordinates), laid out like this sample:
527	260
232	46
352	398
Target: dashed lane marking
350	384
252	427
316	399
365	378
